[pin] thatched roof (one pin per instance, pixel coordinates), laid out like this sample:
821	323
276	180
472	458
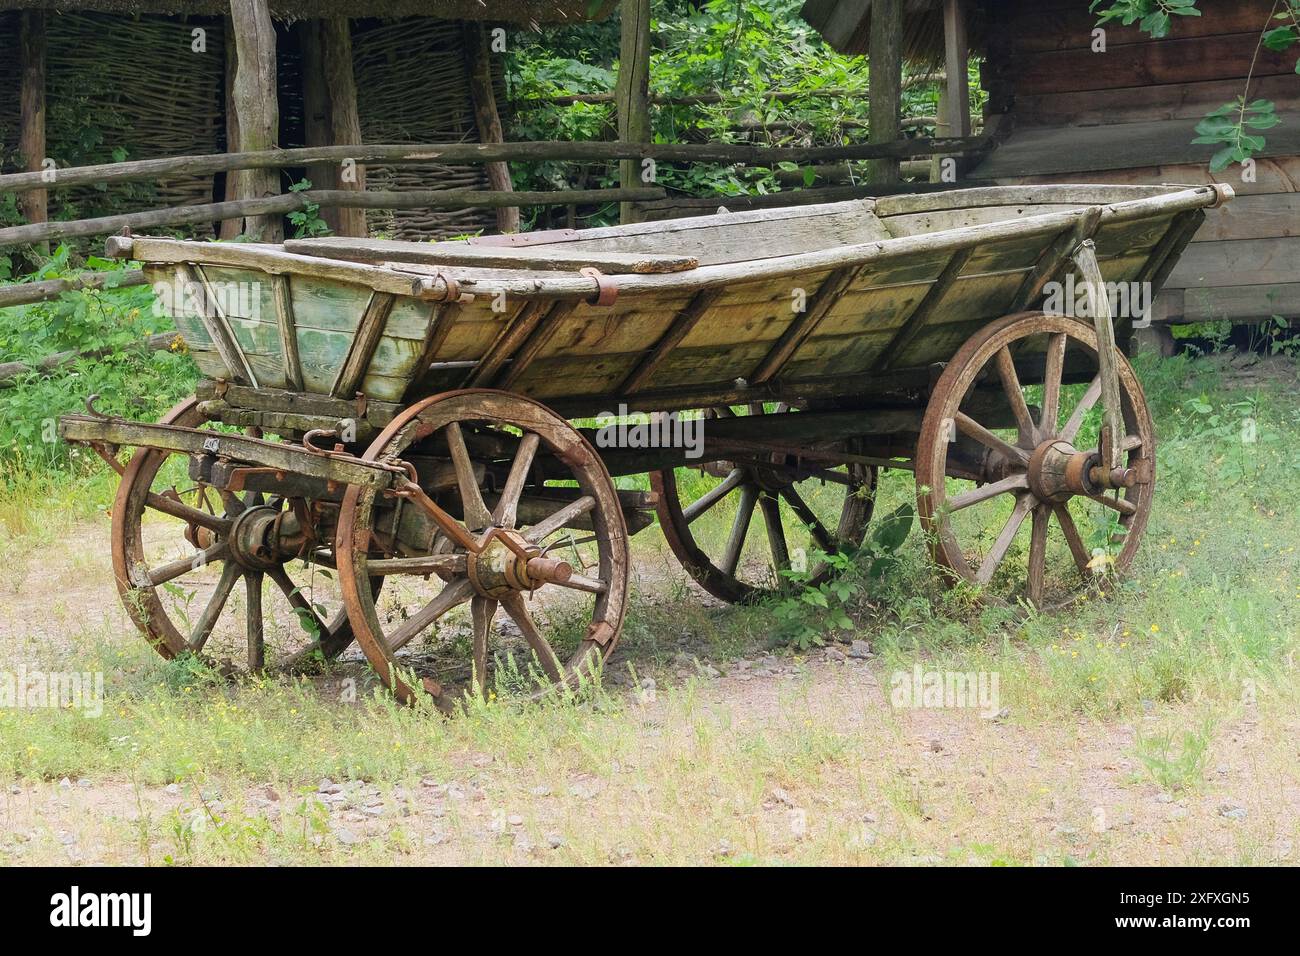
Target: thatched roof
507	11
846	26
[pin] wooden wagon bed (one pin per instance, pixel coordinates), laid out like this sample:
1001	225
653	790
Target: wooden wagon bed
409	413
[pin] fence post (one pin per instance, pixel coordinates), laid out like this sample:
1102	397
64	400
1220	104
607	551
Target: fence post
633	92
257	106
885	61
31	141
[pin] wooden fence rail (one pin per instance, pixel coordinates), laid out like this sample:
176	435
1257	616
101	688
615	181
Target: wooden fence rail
456	153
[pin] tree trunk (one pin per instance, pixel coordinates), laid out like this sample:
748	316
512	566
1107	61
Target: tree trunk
256	106
478	59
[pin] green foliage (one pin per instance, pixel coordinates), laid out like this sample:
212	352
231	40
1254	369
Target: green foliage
811	610
307	221
114	321
1151	16
741	51
1226	126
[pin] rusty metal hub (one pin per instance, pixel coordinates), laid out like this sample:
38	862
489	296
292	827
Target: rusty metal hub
506	562
263	538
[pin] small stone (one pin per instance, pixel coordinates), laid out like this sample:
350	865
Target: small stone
329	786
1163	797
522	843
374	810
84	784
1232	811
428	782
835	655
1176	813
554	841
515	820
346	836
65	784
541	791
860	650
172	788
709	672
780	796
15	789
935	746
723	848
67	839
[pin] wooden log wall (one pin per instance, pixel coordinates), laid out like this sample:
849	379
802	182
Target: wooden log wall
1126	116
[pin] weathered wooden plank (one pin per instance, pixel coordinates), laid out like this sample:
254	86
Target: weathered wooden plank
1045	25
460	253
1044	151
364	343
993	197
1171	60
288	331
885	52
1239	263
1241	303
478	70
216	325
924	310
682	325
1253	217
803	326
512	336
1055	258
1182	101
537	340
1278	174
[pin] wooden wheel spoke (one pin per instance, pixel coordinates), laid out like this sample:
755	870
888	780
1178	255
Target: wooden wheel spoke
452	595
476	512
1085	405
1056	344
1072	538
230	573
481	610
518	611
715	494
1003	543
1037	555
192	562
423	564
507	507
582	582
739	529
297	600
810	520
255	624
178	509
973	429
559	519
1015	394
1122	505
771	508
989	491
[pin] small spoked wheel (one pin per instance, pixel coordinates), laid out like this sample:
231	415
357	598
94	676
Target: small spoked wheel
213	573
808	505
1010	480
505	508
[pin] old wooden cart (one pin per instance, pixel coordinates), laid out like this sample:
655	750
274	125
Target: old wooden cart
390	427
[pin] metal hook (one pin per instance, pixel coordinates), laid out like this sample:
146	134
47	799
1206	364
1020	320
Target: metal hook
90	407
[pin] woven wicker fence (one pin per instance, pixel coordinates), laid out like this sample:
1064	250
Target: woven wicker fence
412	88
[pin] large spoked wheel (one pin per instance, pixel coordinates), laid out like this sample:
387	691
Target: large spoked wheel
495	538
807	506
202	571
1041	474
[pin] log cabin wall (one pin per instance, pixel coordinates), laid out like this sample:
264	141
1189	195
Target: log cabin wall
1070	114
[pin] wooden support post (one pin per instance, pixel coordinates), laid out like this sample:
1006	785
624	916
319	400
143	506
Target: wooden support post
885	61
229	229
331	116
31	140
632	94
478	61
954	97
256	105
1113	431
956	46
